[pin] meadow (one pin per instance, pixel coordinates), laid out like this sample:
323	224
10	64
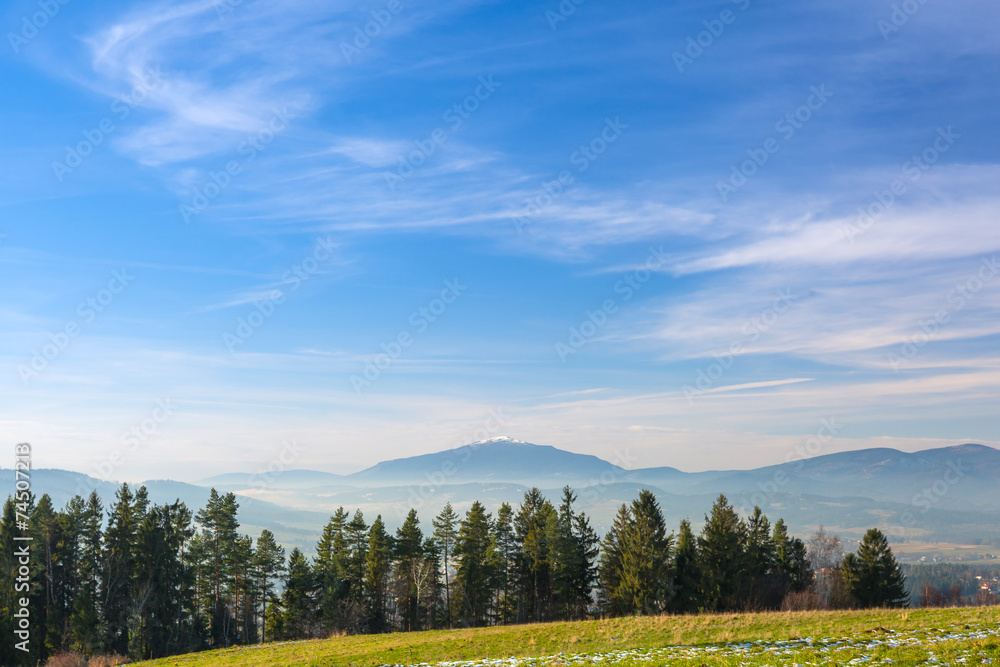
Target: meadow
900	637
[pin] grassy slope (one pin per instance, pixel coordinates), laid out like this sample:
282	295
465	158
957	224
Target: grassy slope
578	637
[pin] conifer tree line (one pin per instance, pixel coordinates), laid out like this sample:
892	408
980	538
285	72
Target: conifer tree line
146	581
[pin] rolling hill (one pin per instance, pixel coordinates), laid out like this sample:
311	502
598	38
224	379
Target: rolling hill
949	494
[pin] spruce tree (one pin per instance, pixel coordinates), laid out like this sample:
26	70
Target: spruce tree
431	608
687	576
645	579
722	557
119	592
356	606
158	621
85	636
506	548
444	535
332	569
759	586
297	599
50	536
532	528
574	551
476	557
791	558
378	566
610	594
873	577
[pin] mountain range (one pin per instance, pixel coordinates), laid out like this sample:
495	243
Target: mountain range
949	494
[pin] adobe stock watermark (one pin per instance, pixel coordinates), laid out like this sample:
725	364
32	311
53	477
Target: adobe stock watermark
562	12
225	8
594	321
581	158
87	311
911	171
813	446
93	137
455	116
264	308
131	440
597	487
419	321
787	126
364	34
465	448
21	555
263	478
957	298
751	331
900	16
930	496
219	181
704	39
33	24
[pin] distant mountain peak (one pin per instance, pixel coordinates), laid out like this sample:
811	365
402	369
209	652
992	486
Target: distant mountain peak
971	447
498	459
501	439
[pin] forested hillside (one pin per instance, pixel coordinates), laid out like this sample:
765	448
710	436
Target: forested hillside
157	580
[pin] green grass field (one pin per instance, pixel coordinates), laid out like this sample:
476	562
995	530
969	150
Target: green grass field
967	636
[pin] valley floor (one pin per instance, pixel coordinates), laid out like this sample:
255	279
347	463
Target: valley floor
965	636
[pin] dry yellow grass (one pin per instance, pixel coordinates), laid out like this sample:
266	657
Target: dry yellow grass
577	637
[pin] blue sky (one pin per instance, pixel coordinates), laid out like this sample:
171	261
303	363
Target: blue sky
689	235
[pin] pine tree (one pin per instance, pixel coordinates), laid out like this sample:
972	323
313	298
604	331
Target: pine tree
444	535
475	554
874	579
219	523
409	560
687	576
268	564
244	592
722	557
